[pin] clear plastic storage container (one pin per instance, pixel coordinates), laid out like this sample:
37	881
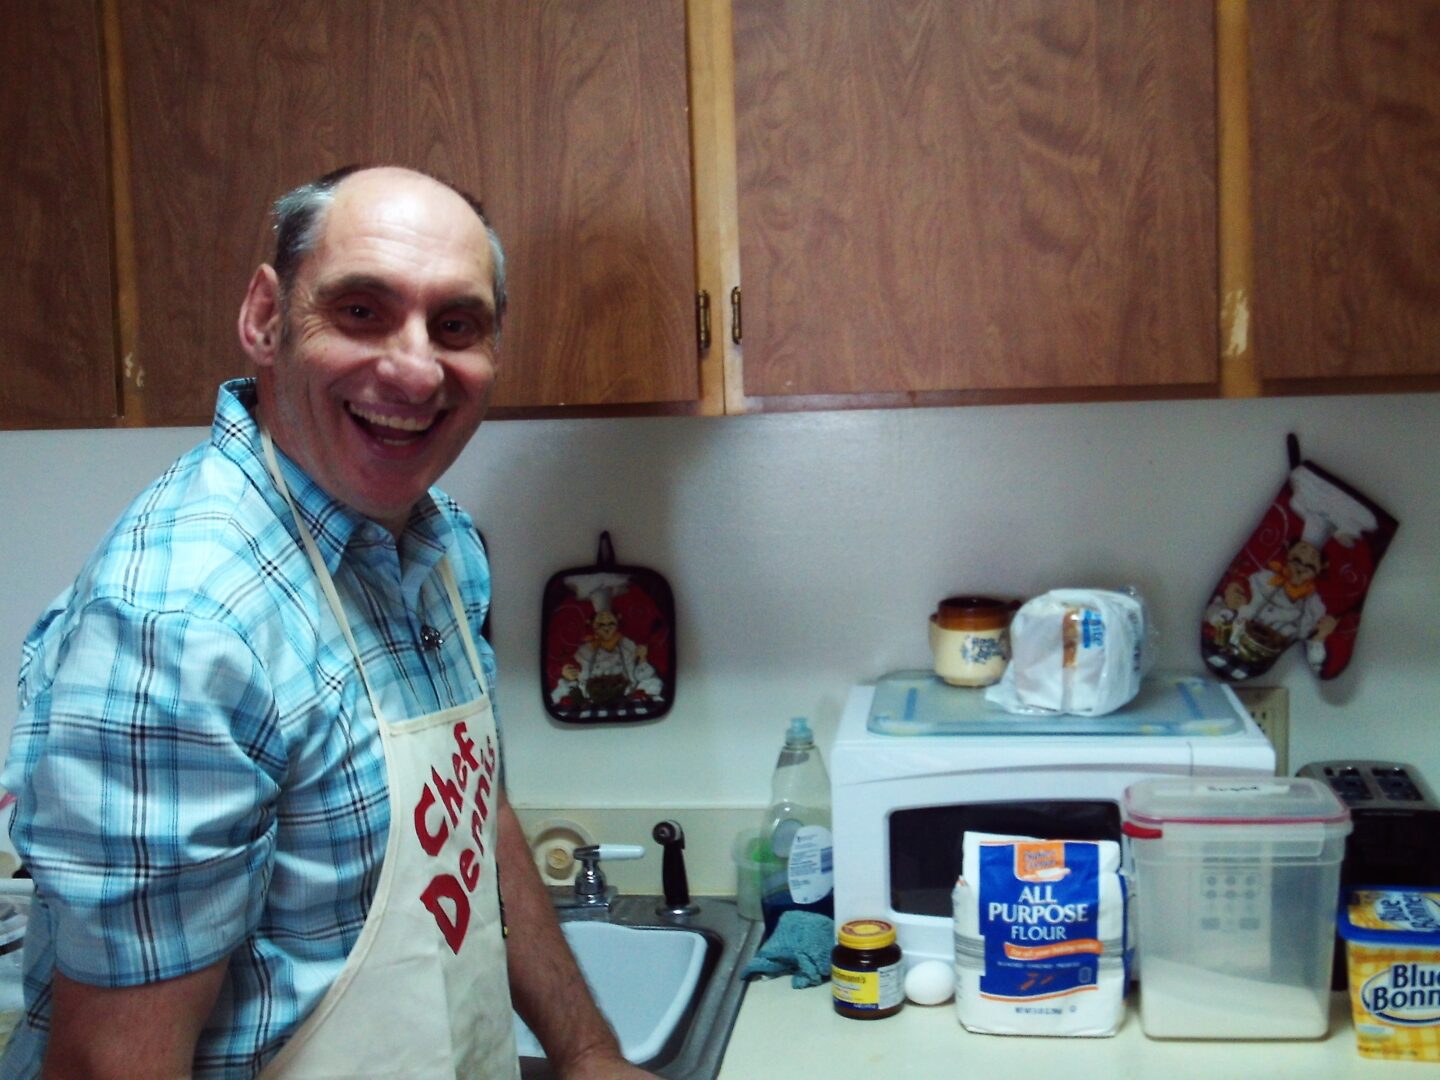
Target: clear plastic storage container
1236	885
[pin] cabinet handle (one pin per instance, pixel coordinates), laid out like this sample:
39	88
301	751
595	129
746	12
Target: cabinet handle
735	314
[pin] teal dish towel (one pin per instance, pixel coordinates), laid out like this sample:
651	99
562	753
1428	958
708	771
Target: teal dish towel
799	946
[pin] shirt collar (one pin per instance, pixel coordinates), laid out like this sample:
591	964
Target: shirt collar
334	525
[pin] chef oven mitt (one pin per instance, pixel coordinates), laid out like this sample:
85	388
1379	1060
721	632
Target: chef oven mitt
1302	577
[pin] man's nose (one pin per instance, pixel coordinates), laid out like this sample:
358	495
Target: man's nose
410	363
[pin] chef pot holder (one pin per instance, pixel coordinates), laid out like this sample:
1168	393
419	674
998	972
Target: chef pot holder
1302	576
607	643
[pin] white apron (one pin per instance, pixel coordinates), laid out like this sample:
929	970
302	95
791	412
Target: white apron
424	992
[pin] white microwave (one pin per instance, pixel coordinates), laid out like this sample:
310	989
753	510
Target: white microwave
916	764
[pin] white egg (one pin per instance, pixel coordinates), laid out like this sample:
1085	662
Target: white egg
930	982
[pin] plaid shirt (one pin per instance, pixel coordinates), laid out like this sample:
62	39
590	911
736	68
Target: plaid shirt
198	771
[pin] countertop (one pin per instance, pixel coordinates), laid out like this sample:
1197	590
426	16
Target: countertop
782	1033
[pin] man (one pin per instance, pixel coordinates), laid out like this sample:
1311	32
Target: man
256	763
608	667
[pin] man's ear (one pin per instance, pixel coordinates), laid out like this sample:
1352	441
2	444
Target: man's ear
260	316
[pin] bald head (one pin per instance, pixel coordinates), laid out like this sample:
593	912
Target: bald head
300	216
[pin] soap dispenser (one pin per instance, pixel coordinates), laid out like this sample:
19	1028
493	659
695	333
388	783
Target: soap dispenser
796	853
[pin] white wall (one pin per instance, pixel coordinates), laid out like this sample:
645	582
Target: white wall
806	551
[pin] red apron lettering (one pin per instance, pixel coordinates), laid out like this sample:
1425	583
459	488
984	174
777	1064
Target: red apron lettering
465	756
444	887
448	887
477	825
450	794
469	869
431	842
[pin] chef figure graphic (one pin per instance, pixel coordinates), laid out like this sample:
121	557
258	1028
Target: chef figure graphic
1256	616
609	667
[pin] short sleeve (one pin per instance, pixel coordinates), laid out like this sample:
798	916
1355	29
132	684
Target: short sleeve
150	763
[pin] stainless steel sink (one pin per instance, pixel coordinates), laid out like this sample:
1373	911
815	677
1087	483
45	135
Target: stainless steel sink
694	1048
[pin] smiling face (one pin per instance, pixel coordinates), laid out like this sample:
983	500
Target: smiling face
378	369
1303	563
607	629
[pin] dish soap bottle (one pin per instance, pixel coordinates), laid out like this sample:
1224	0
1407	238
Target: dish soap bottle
797	856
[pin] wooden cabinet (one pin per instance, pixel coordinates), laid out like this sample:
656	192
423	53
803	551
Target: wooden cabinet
1346	150
994	196
568	118
57	346
921	201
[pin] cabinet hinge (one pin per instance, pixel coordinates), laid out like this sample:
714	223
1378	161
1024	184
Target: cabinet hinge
735	314
702	319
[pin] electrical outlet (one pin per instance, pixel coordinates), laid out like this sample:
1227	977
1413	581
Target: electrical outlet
1269	706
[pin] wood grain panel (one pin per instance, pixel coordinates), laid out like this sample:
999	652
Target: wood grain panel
1346	141
566	117
586	152
229	104
991	195
57	347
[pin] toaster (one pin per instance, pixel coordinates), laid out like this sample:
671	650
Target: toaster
1396	840
1396	836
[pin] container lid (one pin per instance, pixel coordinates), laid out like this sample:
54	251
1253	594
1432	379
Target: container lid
974	613
1150	805
867	934
1391	917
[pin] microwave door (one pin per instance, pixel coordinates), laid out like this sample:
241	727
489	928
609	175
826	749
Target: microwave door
926	842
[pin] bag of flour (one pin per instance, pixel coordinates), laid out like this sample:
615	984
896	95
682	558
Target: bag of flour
1040	936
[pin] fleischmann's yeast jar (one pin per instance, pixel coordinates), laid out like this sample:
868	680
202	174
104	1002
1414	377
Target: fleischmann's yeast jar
865	971
1392	949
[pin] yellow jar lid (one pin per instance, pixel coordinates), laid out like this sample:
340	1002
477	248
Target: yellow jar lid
867	934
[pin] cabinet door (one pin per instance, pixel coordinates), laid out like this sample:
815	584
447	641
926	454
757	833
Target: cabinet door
567	118
1345	119
57	346
995	195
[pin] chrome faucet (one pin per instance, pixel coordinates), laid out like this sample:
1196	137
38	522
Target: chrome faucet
590	889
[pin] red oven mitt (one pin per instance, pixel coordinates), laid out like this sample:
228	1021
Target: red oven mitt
1301	577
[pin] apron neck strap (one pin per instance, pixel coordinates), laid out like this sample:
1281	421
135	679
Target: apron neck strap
327	583
447	576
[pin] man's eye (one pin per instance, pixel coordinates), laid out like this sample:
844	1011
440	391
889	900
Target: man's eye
356	316
457	332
